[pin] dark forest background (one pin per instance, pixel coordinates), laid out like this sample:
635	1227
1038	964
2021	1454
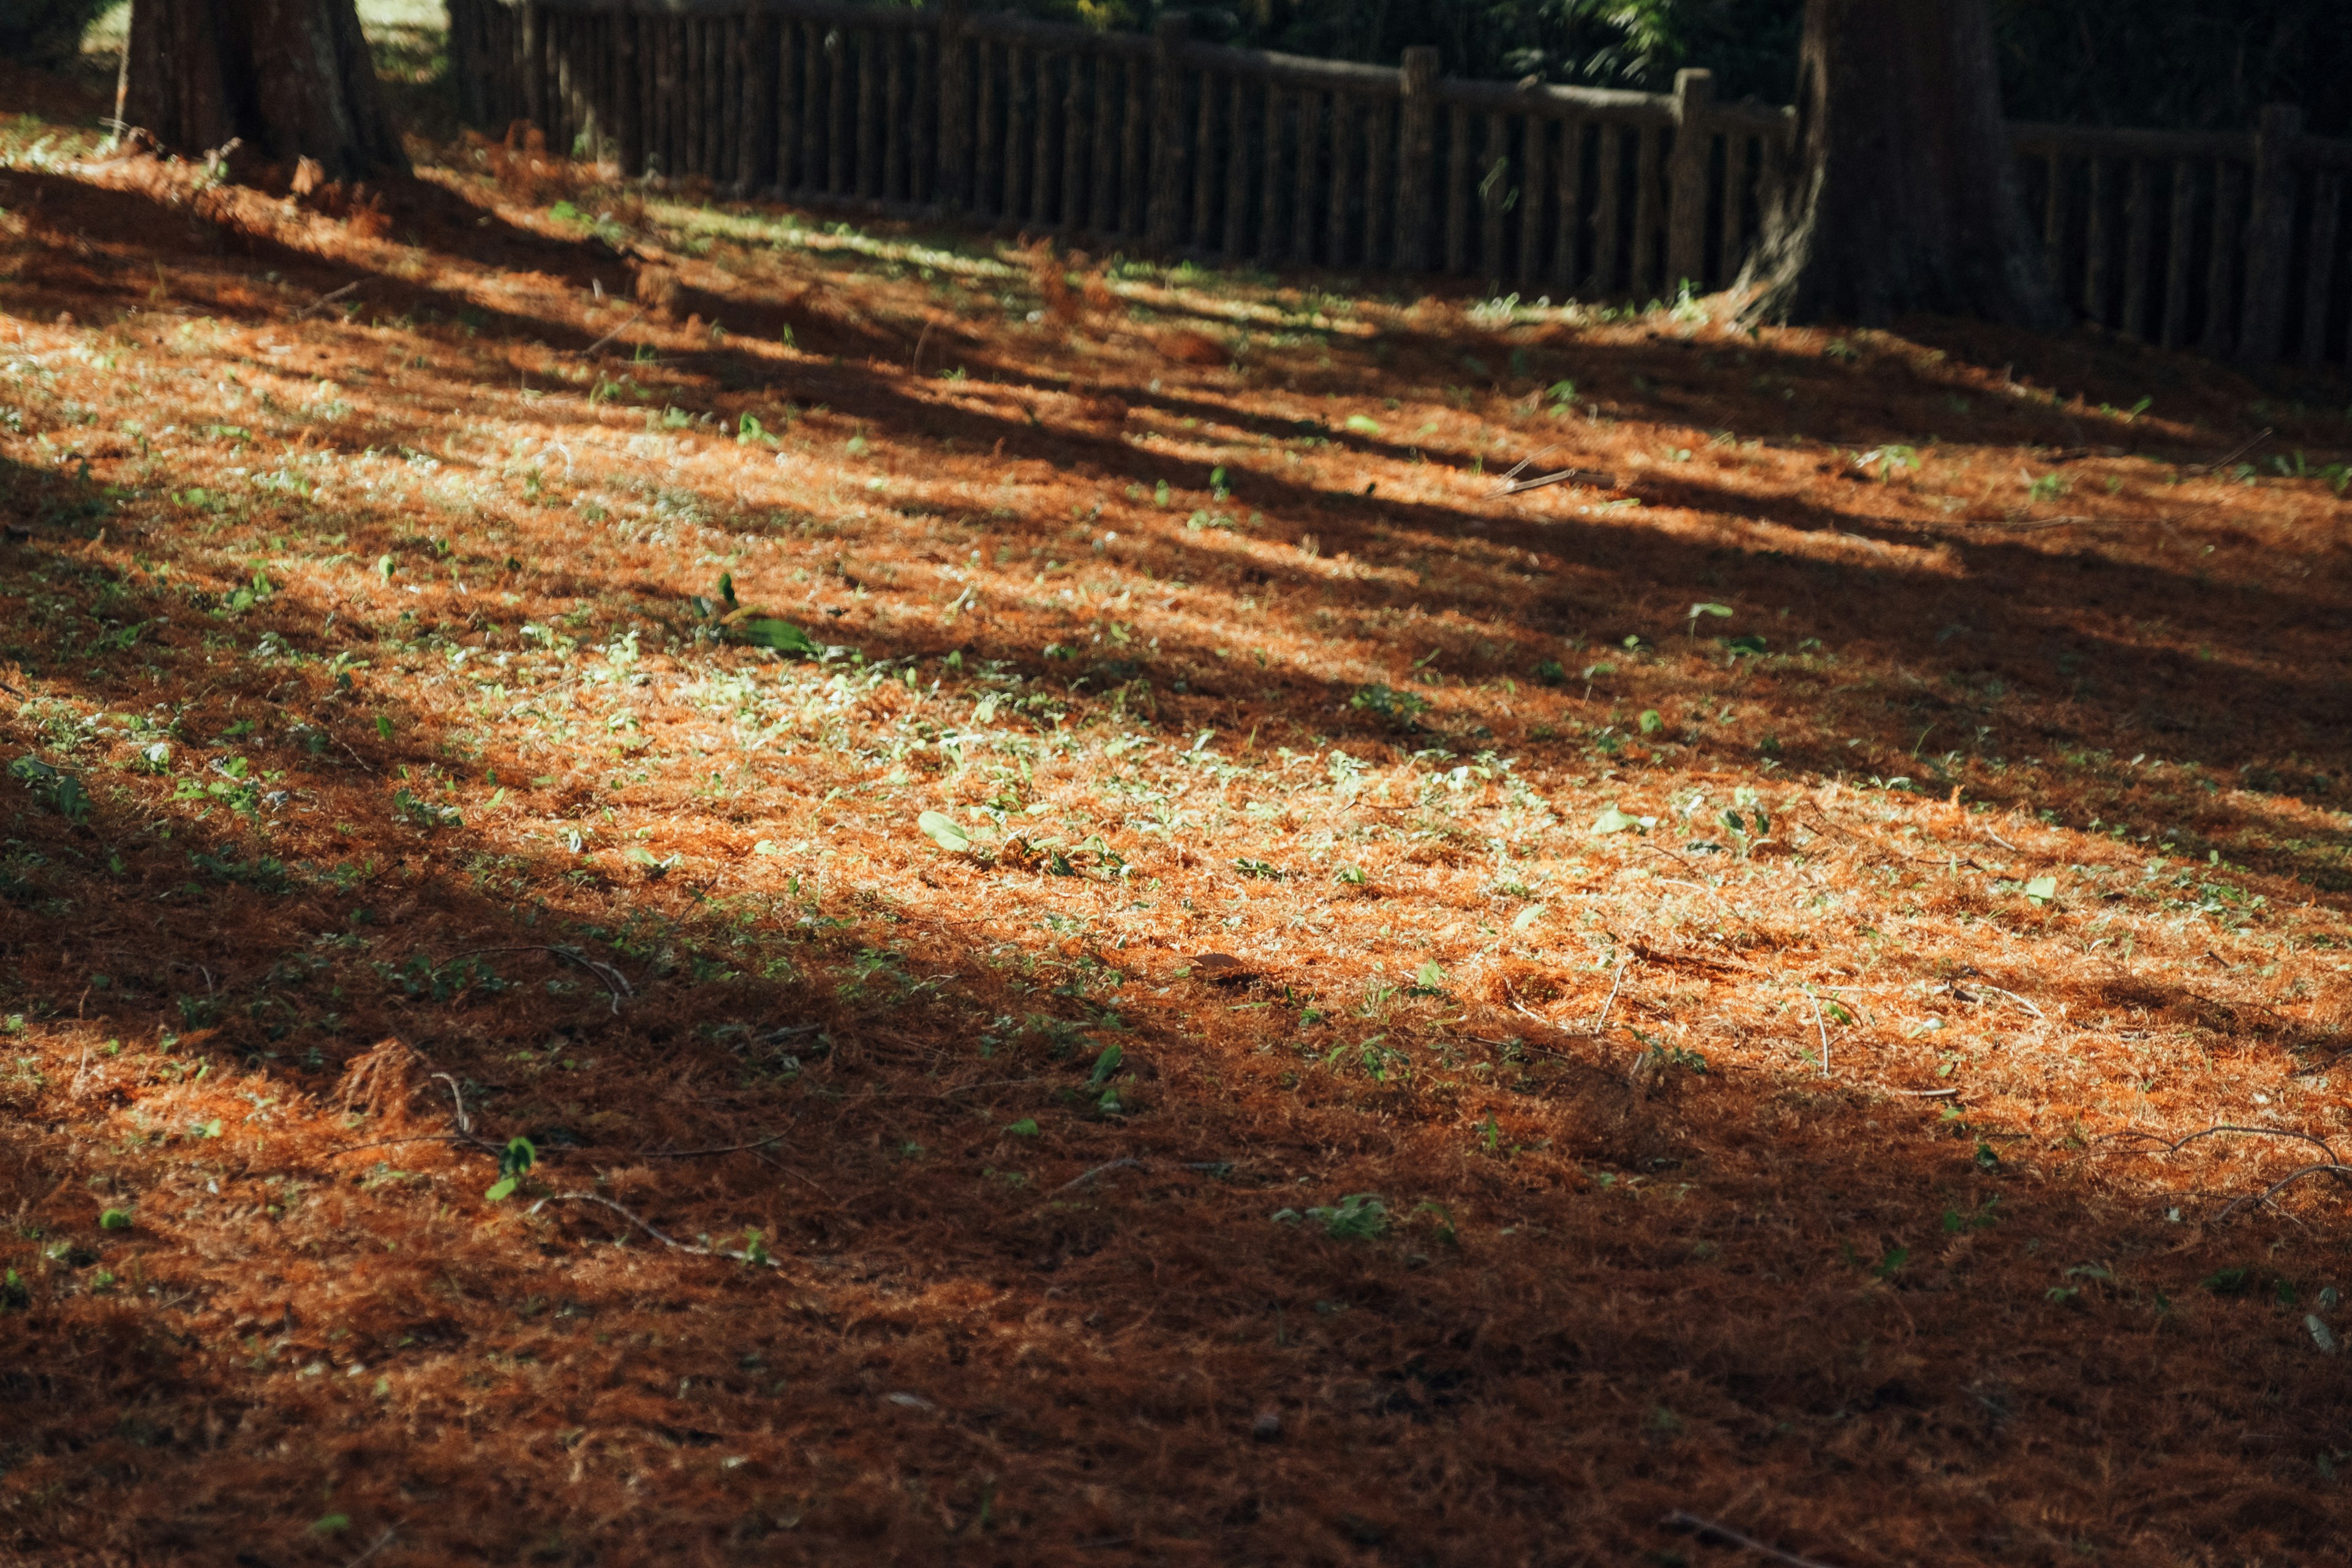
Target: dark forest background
2180	64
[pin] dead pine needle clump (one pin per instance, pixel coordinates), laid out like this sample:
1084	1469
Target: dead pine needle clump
682	881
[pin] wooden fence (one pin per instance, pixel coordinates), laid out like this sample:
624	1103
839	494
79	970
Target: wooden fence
2230	244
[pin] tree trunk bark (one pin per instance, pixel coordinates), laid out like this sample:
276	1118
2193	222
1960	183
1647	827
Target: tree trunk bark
1898	195
290	79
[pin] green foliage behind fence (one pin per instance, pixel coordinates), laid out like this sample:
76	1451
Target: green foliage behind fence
2178	63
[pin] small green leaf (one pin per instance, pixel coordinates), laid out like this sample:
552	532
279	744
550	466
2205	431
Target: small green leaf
1359	1216
2043	890
209	1129
383	567
384	726
1025	1127
1429	977
114	1219
332	1524
1651	722
944	832
1614	821
727	588
1363	424
766	631
1526	916
1105	1064
501	1189
1721	610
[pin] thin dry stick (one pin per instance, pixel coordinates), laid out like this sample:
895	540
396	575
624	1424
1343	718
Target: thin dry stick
1678	1520
1685	864
2341	1172
612	979
375	1546
671	1242
1558	477
2175	1146
590	351
1101	1170
1602	1021
1925	1093
916	358
1519	1006
321	303
1510	484
692	1153
2014	998
465	1123
1823	1028
2234	453
1522	1044
457	1097
388	1142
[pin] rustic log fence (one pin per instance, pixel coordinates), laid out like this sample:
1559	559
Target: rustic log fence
2228	244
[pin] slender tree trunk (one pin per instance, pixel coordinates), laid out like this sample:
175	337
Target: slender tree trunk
290	79
1898	194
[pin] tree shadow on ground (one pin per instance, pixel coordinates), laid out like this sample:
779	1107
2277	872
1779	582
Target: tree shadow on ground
986	1344
1082	1361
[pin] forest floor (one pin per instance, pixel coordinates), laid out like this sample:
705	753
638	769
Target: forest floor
1217	991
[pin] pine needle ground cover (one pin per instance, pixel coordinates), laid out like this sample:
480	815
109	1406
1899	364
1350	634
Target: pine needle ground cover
687	884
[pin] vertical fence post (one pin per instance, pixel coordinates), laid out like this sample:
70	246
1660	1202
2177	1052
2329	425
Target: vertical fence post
2318	296
1048	126
2180	253
1687	180
1494	186
2098	275
1459	190
462	64
1102	213
1237	169
1077	143
1273	237
2139	248
1168	186
898	114
534	78
628	115
755	127
1648	223
955	106
1416	155
1346	164
1535	148
1567	241
2269	233
2223	279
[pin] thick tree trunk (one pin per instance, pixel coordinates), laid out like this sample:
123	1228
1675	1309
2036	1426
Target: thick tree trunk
1898	195
290	79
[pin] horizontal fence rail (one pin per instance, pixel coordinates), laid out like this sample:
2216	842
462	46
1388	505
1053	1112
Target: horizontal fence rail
2228	244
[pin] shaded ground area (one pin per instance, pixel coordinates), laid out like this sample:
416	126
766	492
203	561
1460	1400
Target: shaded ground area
1425	1027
